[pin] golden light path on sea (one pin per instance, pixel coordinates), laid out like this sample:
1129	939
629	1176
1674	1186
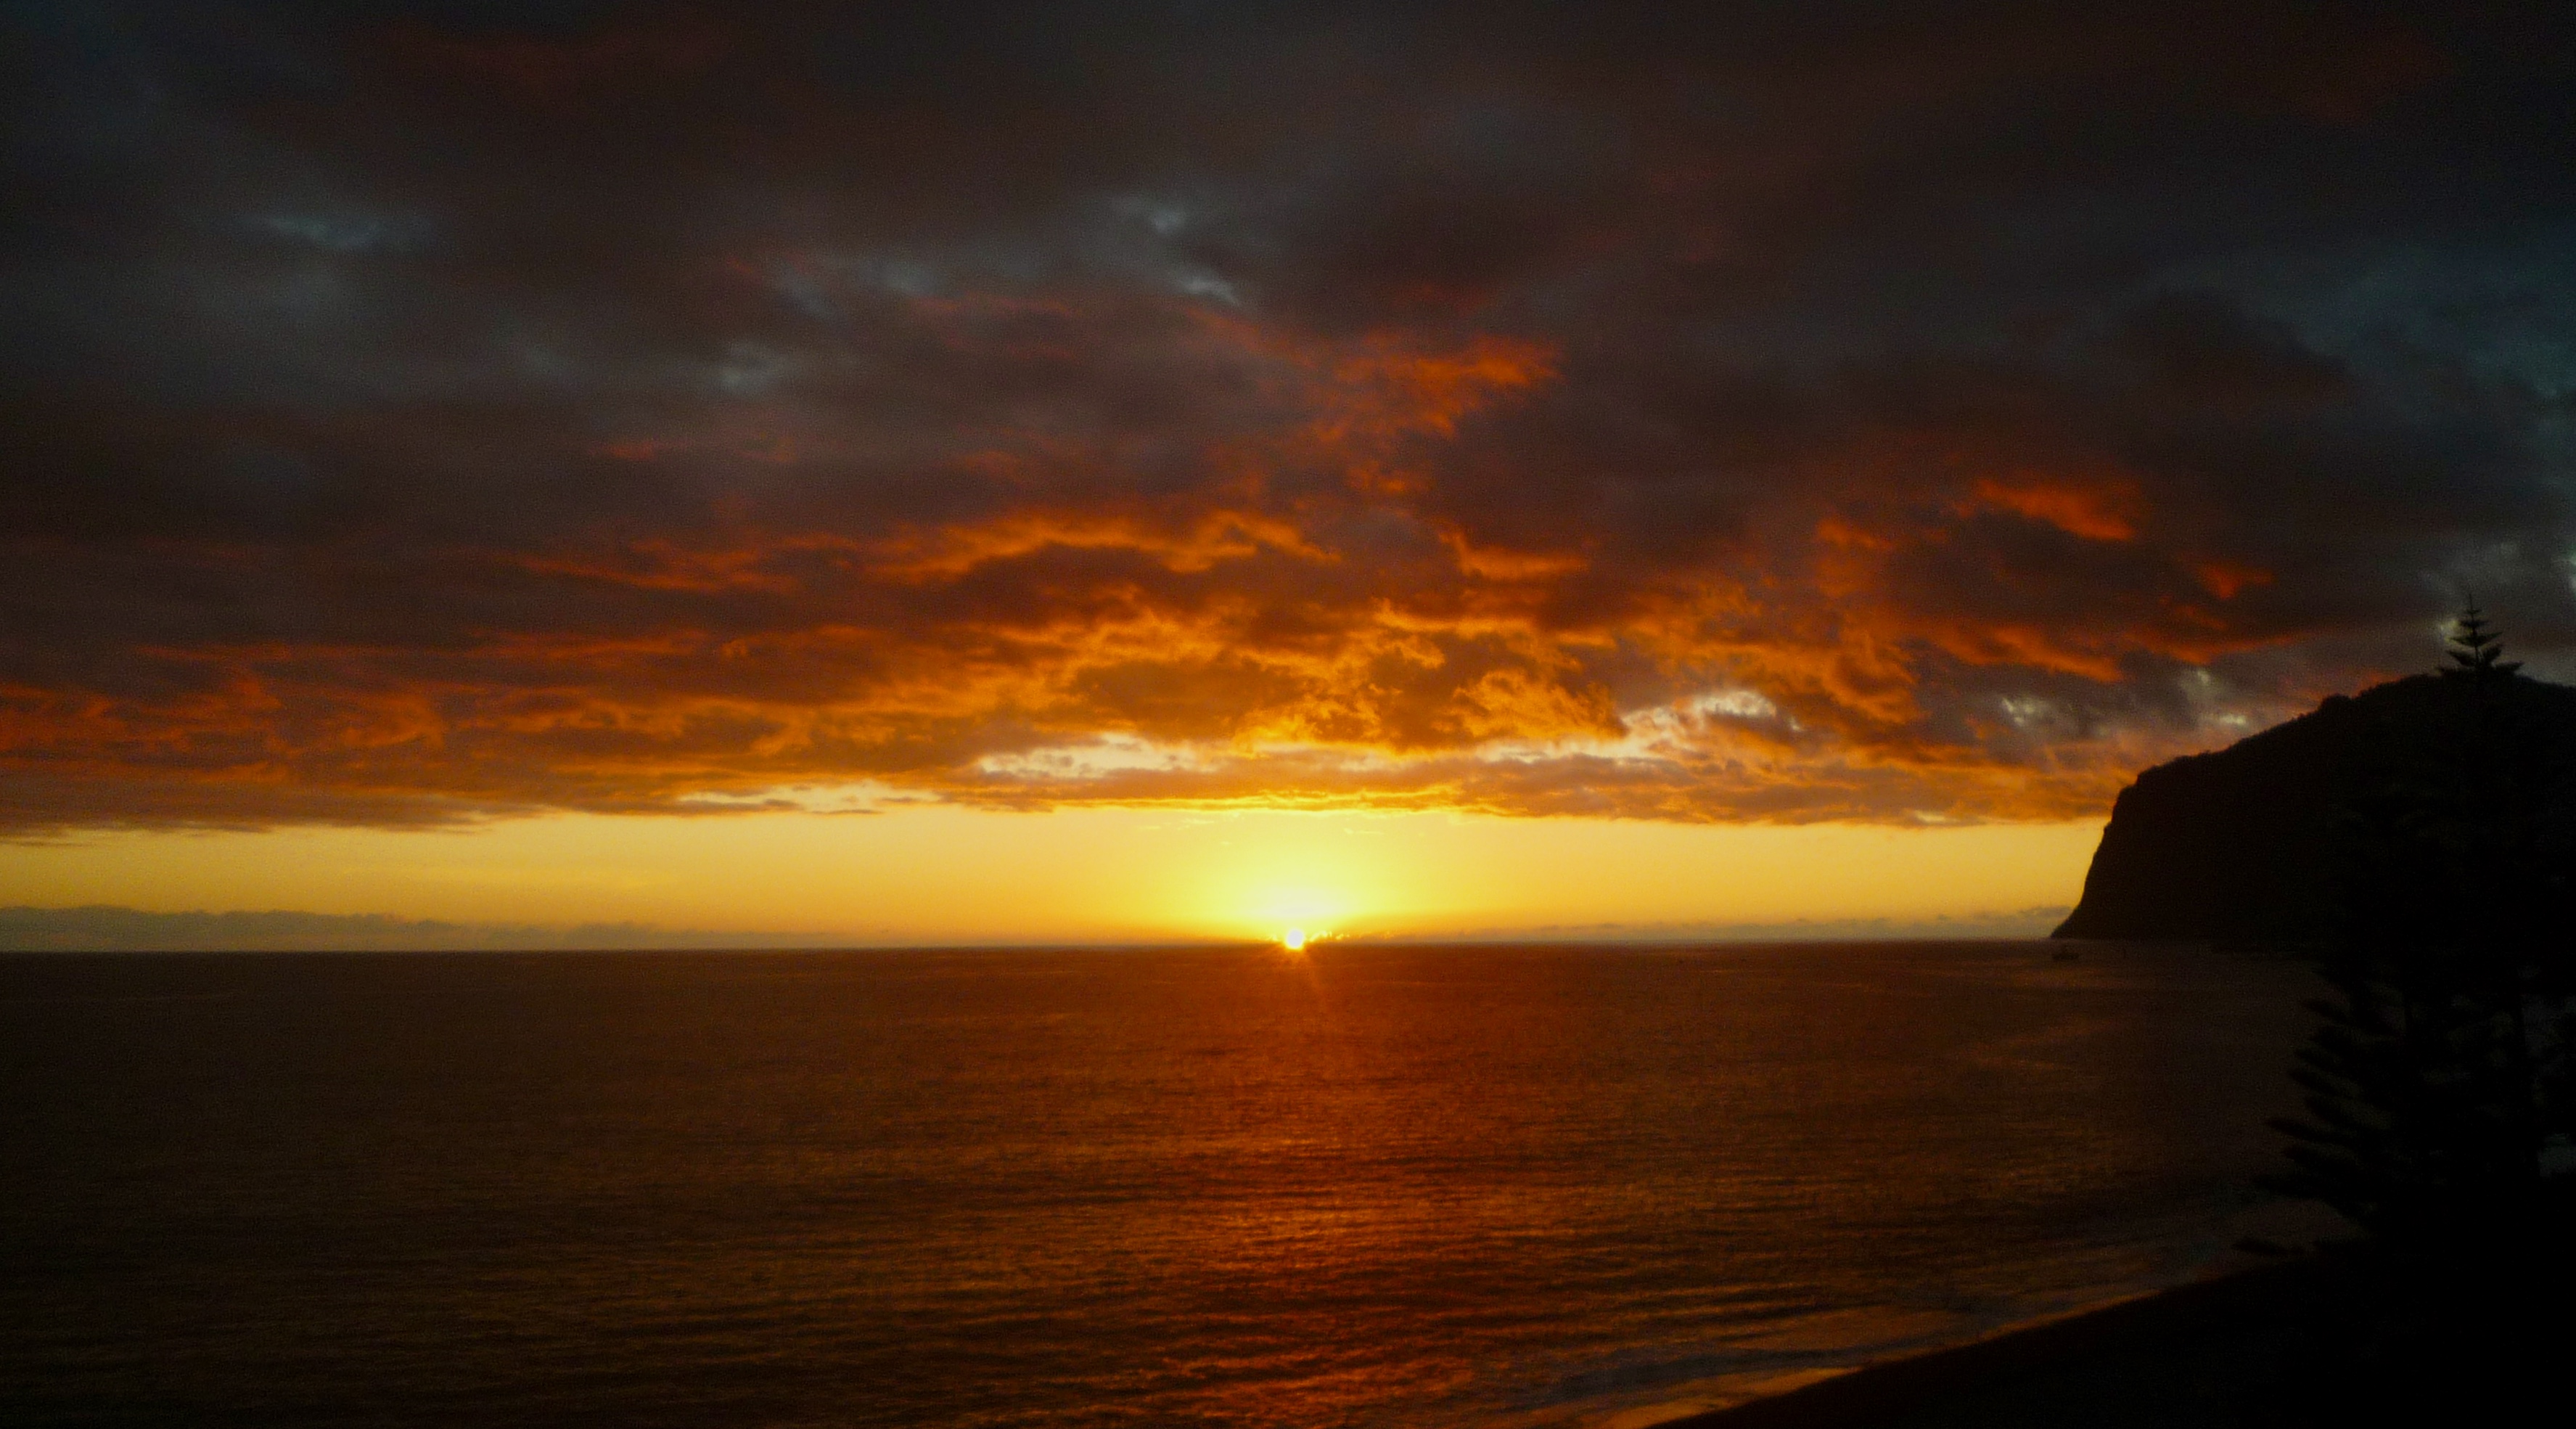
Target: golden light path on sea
942	874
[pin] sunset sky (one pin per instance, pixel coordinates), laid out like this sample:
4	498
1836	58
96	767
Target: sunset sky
962	472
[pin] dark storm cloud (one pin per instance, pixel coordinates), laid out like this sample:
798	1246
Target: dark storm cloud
418	411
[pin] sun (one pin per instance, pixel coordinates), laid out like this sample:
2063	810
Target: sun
1298	917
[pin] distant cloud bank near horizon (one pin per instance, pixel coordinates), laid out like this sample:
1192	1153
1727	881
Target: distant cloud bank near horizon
105	928
425	412
2019	923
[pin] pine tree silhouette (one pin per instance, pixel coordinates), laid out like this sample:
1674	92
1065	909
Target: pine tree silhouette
2438	1081
2438	1084
2478	652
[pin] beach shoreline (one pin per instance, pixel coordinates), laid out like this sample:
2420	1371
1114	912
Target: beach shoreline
2297	1227
2187	1353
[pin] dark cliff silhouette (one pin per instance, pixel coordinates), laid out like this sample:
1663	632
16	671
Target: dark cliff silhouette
2239	846
2418	843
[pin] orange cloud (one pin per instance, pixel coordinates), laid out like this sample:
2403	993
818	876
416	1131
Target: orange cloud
2226	578
2103	512
1494	563
622	410
1213	536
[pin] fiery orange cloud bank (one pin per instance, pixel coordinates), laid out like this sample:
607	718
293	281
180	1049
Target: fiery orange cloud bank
627	409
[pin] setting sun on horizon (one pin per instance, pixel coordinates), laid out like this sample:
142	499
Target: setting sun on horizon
943	875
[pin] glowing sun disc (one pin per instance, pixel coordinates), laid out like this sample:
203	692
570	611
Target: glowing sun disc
1294	940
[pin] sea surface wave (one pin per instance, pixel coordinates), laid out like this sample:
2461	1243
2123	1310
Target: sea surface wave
1465	1186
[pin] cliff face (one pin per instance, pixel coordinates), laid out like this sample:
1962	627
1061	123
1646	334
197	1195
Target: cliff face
2236	846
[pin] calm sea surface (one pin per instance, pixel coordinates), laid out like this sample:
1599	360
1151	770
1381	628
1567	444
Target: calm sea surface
1374	1186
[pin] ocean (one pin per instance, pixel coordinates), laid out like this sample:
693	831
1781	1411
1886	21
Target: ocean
1469	1186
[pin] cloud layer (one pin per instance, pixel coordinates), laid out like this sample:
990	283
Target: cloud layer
422	412
103	928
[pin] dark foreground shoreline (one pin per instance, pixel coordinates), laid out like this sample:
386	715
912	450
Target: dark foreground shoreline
2202	1354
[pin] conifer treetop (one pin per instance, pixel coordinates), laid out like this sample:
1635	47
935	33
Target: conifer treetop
2476	650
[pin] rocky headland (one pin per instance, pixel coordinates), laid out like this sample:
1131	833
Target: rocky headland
2238	846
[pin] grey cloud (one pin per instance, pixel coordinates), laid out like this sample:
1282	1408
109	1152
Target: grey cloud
423	410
